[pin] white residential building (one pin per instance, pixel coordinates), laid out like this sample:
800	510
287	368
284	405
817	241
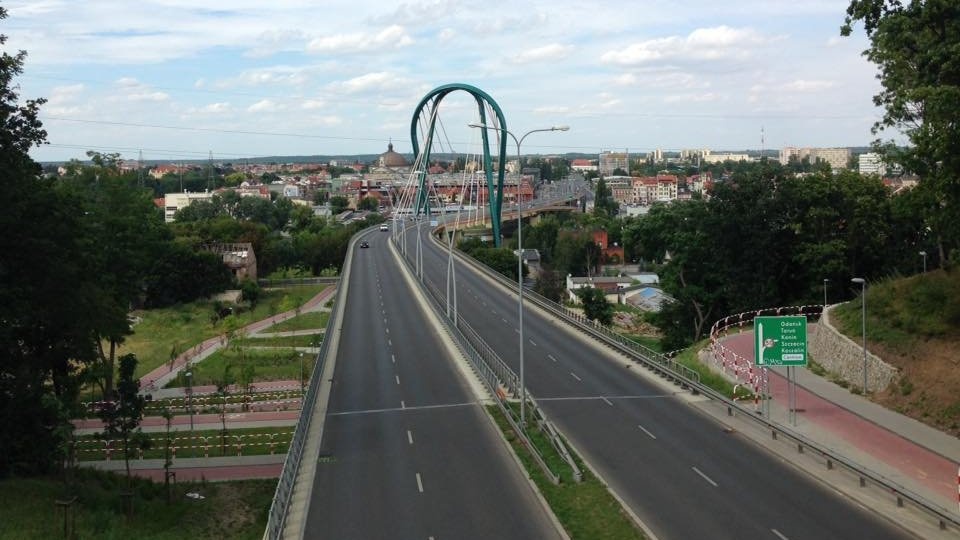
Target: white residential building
872	163
175	201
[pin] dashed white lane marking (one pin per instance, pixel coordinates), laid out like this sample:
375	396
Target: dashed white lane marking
402	404
534	343
504	320
390	342
645	430
574	375
419	483
410	436
607	401
398	378
779	534
550	356
393	359
705	477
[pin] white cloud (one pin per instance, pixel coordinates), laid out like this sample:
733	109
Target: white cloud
700	44
553	51
330	120
312	104
387	39
691	98
551	109
626	79
64	94
446	35
369	82
216	108
801	85
265	105
833	41
274	41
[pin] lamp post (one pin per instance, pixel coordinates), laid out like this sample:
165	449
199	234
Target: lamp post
863	320
825	281
189	376
924	255
523	387
301	373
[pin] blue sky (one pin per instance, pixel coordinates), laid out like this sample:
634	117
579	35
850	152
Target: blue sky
179	79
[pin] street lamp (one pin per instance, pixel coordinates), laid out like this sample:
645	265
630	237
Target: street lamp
301	372
863	320
523	388
189	376
924	255
825	281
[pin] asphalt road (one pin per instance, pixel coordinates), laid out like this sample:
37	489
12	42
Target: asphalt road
675	468
407	453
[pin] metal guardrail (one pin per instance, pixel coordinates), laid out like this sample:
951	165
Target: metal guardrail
291	465
494	372
681	374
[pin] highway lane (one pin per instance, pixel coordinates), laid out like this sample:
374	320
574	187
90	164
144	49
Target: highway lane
406	451
675	468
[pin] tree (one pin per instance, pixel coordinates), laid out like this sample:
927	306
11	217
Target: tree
45	328
369	203
123	412
338	204
915	46
603	203
595	305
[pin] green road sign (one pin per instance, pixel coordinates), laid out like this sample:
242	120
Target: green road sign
780	341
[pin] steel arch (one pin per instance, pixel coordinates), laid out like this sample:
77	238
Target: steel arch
434	97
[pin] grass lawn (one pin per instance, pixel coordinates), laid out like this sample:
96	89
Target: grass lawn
311	340
649	342
707	376
277	364
186	325
304	321
236	510
90	448
585	509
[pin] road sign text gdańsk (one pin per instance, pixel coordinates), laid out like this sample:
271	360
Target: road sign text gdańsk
780	341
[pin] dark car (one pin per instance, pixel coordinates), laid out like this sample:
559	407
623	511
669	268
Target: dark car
364	244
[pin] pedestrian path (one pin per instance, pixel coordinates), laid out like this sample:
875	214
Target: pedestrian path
160	376
916	456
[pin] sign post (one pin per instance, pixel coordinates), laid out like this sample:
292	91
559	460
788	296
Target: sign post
781	341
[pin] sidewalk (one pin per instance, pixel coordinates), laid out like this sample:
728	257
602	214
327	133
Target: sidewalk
916	456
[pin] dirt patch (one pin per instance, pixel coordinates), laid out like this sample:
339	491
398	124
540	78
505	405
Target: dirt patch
634	324
928	388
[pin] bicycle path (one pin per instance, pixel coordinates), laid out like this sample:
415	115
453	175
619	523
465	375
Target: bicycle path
914	455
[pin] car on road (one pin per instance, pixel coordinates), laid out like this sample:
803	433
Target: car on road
384	227
364	244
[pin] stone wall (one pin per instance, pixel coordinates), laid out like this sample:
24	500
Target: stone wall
843	357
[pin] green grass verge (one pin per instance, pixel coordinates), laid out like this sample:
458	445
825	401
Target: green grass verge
647	341
185	325
304	321
311	340
903	310
277	364
236	510
90	448
707	376
585	509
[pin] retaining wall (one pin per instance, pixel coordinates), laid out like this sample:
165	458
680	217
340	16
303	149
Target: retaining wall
843	357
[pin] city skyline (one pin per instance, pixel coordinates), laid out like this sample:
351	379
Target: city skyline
180	80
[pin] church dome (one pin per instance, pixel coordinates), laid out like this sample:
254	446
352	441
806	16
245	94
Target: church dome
391	158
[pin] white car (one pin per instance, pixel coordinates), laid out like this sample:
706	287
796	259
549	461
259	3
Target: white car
384	227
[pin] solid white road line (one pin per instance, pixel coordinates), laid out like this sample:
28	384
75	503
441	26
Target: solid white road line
410	436
705	477
645	430
574	375
779	534
419	483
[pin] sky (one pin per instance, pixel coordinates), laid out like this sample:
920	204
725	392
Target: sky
187	79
